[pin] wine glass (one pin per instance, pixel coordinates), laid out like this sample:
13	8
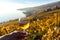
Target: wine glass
24	25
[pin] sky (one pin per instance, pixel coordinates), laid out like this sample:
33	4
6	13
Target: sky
8	8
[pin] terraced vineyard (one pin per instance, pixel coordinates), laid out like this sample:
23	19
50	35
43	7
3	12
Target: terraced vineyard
43	26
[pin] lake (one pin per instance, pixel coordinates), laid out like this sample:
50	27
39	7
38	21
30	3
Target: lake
11	16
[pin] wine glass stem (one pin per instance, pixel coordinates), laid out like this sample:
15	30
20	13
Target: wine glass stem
24	30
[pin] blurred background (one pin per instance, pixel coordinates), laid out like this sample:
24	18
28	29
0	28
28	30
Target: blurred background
8	8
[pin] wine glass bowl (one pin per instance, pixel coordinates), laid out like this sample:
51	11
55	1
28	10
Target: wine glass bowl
24	25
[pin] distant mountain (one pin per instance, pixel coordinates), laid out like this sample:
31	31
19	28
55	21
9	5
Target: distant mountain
42	8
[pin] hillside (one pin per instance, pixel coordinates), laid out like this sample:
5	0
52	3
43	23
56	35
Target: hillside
41	8
44	26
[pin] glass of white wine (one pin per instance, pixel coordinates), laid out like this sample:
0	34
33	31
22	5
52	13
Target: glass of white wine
24	25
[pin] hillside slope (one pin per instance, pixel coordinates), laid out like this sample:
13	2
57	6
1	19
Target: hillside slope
41	8
44	26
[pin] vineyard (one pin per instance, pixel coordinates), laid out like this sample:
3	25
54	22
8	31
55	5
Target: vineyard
42	26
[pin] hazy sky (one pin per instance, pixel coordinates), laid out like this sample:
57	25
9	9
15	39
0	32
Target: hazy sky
8	8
